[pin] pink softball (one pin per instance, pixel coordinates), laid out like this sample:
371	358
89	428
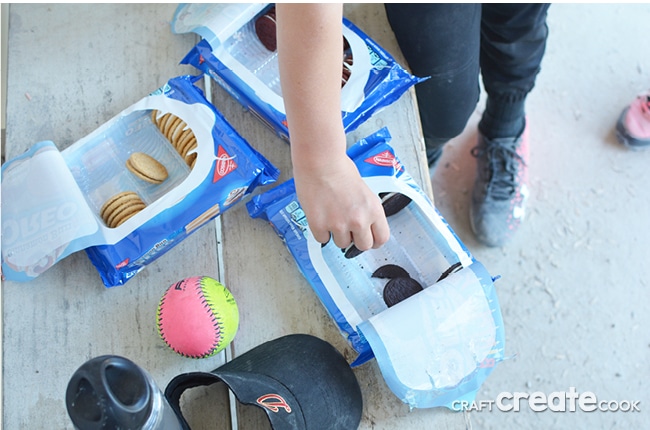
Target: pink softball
197	317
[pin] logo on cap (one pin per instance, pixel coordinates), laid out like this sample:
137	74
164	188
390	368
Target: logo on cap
273	402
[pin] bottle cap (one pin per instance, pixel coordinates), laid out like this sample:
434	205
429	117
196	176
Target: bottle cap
109	392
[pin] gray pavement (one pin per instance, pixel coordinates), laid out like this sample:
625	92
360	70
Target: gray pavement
574	281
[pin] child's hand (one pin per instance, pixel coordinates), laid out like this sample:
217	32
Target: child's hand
339	202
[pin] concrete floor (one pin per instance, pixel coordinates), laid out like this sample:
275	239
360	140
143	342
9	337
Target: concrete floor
574	288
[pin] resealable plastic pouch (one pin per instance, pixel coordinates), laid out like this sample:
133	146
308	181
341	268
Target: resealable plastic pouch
54	202
233	54
434	346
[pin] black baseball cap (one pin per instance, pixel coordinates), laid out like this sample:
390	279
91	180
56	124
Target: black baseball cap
300	381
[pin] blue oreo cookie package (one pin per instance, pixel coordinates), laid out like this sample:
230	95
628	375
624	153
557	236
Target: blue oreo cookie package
422	305
240	55
87	197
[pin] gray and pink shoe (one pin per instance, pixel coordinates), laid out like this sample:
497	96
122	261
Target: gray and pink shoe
500	189
633	126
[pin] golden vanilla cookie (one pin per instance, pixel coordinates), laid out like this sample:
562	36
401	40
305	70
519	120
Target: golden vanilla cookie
191	159
187	147
154	116
185	142
120	208
184	136
110	204
177	130
178	134
162	119
146	168
169	125
126	212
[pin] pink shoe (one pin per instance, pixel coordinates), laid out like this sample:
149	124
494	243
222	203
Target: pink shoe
633	126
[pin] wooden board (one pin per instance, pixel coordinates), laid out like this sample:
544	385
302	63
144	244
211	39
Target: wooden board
73	67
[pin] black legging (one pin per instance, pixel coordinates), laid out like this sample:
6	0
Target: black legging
452	43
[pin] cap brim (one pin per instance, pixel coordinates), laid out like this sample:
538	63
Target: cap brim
300	381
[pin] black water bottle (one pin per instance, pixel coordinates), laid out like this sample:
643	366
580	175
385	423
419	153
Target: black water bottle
112	392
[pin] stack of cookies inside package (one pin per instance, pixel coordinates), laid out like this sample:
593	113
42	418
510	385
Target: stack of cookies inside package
421	304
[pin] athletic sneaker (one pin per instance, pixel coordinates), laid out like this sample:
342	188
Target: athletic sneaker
633	126
500	189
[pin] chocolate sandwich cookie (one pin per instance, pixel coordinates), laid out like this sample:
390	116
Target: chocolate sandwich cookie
400	285
347	62
453	268
399	289
147	168
265	28
351	251
390	271
392	203
266	31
